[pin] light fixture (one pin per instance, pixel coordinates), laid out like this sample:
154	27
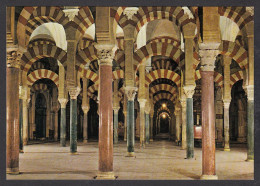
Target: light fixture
164	105
164	116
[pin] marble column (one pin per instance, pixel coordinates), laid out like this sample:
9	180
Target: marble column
147	128
130	92
250	122
63	103
125	117
25	121
208	56
105	143
21	125
12	113
142	122
226	125
56	125
151	126
85	124
183	124
116	125
177	128
189	91
73	92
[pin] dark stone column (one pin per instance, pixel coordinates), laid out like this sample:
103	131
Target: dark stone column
12	113
115	126
147	128
74	92
190	128
63	103
21	125
151	127
130	93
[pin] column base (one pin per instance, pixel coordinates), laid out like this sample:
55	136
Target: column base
105	176
74	153
241	140
85	141
13	171
151	139
250	160
21	151
130	154
24	143
124	139
209	177
227	149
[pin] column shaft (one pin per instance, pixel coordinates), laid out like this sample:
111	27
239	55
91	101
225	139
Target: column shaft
12	119
190	129
226	126
85	128
142	127
63	127
151	128
115	126
250	130
21	124
130	127
105	119
56	125
25	122
73	125
183	124
125	126
147	128
208	123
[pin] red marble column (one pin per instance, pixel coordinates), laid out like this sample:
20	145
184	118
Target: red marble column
208	123
12	115
105	115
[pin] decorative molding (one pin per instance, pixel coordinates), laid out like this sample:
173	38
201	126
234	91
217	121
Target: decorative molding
85	109
130	11
63	102
226	103
71	13
130	92
13	59
105	54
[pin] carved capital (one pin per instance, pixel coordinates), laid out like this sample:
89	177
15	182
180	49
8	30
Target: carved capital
130	92
183	103
105	54
85	109
116	109
226	103
208	53
63	102
13	59
189	90
71	13
74	92
130	11
142	102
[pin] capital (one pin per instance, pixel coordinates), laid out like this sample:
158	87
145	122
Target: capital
142	102
189	90
183	103
130	11
226	103
85	109
63	102
13	59
130	92
105	54
208	53
116	109
74	92
71	13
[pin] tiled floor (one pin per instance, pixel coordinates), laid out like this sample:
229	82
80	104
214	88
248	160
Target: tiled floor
161	160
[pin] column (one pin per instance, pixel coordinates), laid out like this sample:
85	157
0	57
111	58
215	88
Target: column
142	122
226	100
21	125
74	92
63	103
116	125
208	54
85	108
105	143
226	125
189	91
12	113
178	131
183	124
55	125
147	128
151	126
125	125
130	93
250	122
25	121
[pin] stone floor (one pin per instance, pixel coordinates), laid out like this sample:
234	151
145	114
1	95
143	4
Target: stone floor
161	160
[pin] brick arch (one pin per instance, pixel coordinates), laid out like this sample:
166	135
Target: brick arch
235	77
89	74
237	14
118	74
162	73
83	20
120	58
218	78
37	87
165	87
42	74
86	55
164	95
32	17
41	51
154	49
233	50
